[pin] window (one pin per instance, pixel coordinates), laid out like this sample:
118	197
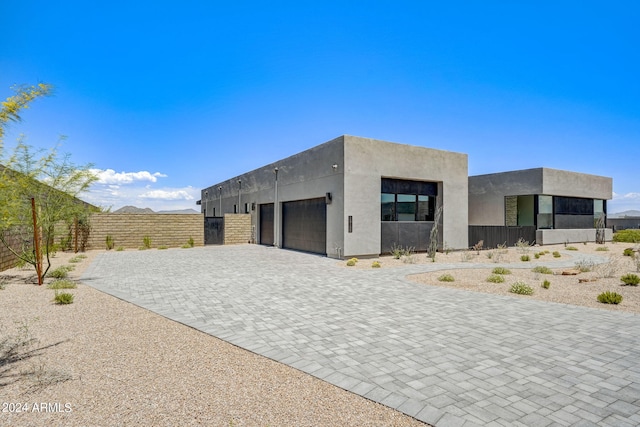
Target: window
545	212
573	206
403	200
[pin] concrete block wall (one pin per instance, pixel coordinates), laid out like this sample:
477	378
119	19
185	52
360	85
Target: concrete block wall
129	230
8	259
237	229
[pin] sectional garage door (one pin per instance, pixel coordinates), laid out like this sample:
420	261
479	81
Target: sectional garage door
304	225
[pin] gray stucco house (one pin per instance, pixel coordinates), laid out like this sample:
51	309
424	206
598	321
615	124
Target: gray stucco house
356	196
561	206
351	196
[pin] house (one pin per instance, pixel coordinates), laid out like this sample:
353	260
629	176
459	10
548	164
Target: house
356	196
556	206
349	197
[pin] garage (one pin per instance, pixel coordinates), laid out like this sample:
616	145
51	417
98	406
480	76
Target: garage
266	224
304	225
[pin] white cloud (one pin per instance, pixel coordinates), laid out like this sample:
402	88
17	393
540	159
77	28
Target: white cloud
167	195
628	196
109	176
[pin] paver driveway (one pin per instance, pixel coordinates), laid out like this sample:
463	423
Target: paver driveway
445	356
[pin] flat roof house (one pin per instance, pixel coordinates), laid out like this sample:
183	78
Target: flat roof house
558	206
351	196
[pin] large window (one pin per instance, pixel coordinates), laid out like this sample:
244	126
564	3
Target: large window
545	212
403	200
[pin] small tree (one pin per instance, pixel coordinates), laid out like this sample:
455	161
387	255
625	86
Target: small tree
49	179
433	235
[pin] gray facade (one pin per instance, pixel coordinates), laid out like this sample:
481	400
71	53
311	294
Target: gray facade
340	183
563	206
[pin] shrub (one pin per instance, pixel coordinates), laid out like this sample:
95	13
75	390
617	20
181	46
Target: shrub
602	249
628	252
525	258
146	242
521	288
610	298
109	242
501	270
446	278
627	236
546	284
585	265
542	270
523	246
537	256
556	254
77	259
120	249
163	247
191	242
630	280
62	284
571	248
3	283
63	298
352	262
60	272
466	256
608	268
495	278
375	264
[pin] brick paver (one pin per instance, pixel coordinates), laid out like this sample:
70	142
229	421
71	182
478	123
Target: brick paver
444	356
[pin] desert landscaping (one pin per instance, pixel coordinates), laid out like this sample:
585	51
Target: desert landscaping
104	361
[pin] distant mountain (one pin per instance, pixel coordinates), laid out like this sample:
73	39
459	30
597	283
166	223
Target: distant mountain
133	209
631	213
136	210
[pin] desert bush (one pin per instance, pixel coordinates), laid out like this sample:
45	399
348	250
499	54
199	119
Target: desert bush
146	242
525	258
77	259
375	264
542	270
466	256
571	248
602	249
627	236
446	278
191	242
585	265
109	242
546	284
536	255
501	270
161	247
63	298
3	283
489	254
352	262
630	280
120	248
62	284
60	272
608	268
610	298
521	288
523	246
556	254
628	252
495	278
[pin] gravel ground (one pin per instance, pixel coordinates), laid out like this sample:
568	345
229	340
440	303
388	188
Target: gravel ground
581	289
102	361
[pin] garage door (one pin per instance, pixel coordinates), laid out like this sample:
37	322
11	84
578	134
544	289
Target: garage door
304	225
266	224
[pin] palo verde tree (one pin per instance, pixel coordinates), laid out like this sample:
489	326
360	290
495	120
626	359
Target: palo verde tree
38	189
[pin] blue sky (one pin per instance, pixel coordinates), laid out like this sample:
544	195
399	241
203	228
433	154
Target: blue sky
166	98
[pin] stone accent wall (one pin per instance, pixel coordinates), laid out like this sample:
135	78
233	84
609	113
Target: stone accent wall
128	230
7	259
237	229
511	207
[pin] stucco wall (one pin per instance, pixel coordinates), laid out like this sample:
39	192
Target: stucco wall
128	230
306	175
368	160
487	192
